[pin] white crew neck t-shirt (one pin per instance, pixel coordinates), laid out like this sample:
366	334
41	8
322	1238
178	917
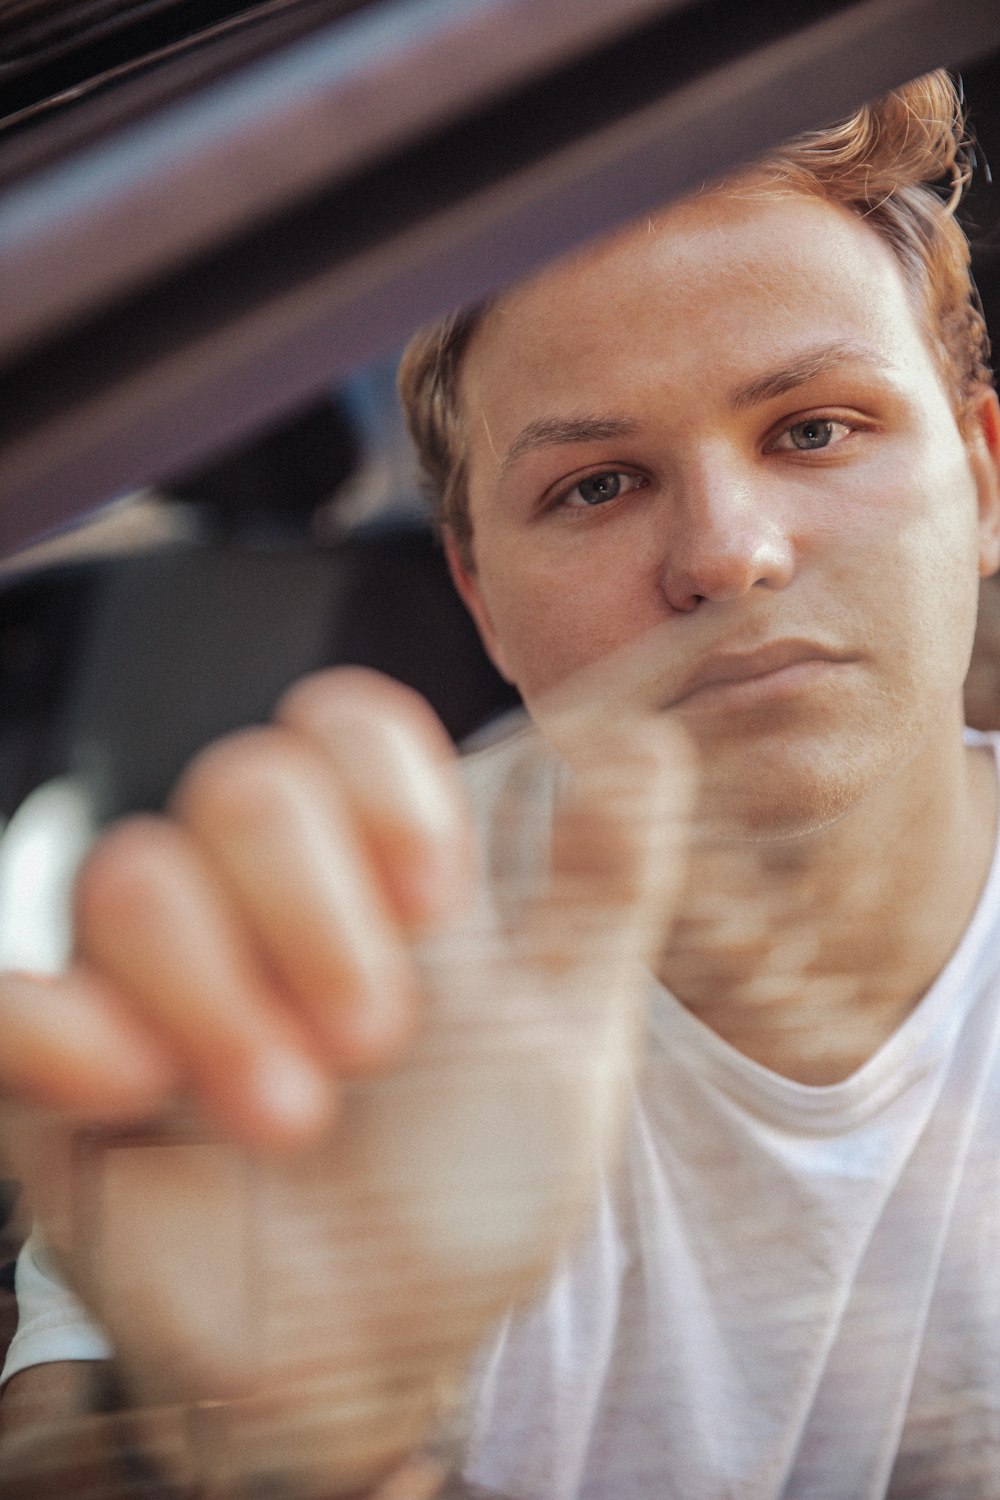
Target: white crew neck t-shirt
787	1293
790	1292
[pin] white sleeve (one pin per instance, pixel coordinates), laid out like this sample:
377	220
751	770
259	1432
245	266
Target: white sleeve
52	1323
41	849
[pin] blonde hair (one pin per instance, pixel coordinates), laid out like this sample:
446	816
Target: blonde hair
901	163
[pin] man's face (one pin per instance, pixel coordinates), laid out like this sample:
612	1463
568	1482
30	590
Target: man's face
723	436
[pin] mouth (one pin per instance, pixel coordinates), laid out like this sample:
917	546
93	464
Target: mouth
771	673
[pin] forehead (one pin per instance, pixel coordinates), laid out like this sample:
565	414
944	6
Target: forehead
700	297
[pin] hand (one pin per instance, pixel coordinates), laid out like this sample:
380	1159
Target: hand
263	950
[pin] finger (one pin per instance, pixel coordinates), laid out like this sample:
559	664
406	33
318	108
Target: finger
271	818
153	917
400	772
618	849
70	1044
584	947
634	791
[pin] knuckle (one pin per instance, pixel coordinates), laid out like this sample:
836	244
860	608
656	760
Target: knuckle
337	700
121	874
321	691
240	782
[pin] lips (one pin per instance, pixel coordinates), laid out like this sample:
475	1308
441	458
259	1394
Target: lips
776	660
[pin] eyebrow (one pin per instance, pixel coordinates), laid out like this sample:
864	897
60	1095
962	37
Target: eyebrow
804	367
551	432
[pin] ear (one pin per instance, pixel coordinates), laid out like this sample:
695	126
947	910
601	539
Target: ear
983	443
463	576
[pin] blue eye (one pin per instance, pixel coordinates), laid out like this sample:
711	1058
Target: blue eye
599	487
812	434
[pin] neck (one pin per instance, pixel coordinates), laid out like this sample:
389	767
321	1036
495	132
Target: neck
807	954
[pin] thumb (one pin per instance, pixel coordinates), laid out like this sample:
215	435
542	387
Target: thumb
536	998
619	843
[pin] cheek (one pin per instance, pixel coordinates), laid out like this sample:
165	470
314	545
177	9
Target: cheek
925	577
545	638
552	620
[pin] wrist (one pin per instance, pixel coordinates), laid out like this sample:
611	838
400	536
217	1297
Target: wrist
149	1450
180	1453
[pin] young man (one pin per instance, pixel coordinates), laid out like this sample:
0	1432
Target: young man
737	471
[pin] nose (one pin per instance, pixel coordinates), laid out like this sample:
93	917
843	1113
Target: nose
727	536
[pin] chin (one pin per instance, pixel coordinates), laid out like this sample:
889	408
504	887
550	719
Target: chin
778	804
